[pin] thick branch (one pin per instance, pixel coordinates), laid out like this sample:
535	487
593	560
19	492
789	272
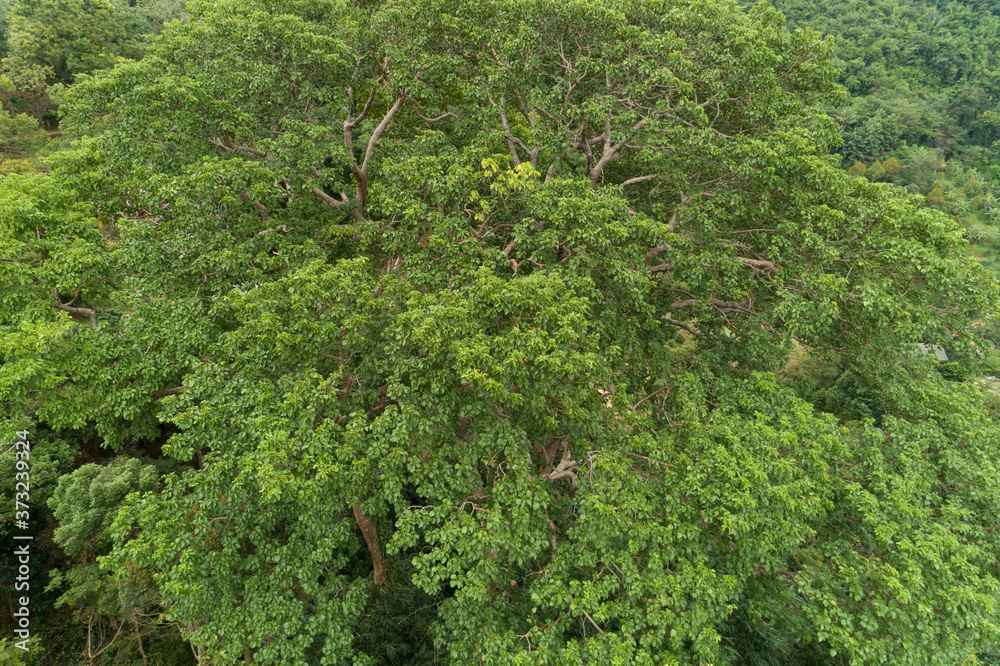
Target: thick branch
610	151
163	393
330	200
80	312
680	324
371	538
657	251
637	179
511	139
361	173
757	263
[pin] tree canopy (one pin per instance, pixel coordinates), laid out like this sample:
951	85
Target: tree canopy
464	325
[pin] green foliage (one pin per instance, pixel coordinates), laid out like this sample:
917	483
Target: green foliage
85	504
953	371
20	137
467	339
891	167
936	196
858	170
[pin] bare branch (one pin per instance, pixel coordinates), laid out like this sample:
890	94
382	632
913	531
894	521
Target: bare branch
610	151
450	114
380	130
657	251
361	173
330	200
672	225
587	615
280	227
80	312
730	306
163	393
757	263
566	468
351	124
680	324
659	390
638	179
512	141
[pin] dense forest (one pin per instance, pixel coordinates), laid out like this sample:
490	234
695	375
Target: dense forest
923	78
499	332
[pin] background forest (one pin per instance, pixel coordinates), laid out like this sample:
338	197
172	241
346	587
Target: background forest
507	332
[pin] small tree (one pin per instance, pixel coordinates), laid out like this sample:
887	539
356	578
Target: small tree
20	137
876	172
891	167
936	196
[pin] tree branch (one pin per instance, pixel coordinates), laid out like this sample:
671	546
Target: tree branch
371	538
757	263
330	200
609	152
163	393
450	114
587	615
232	149
372	142
657	251
258	205
680	324
638	179
511	139
80	312
280	227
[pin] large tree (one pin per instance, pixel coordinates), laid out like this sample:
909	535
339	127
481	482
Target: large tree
477	307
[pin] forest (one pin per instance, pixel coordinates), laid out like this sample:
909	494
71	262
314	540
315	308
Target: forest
499	332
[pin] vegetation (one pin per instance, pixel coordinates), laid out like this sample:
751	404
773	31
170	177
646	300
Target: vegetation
922	77
438	331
